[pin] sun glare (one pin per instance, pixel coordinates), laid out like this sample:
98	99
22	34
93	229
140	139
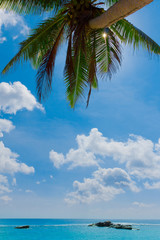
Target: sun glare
104	35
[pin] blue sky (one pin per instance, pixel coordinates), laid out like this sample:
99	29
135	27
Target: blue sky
100	162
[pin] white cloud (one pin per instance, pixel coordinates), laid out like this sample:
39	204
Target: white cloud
4	189
75	158
14	182
42	181
142	205
103	186
28	191
15	37
9	162
5	199
4	185
141	156
10	19
116	177
57	158
14	97
91	190
3	39
3	179
155	185
5	126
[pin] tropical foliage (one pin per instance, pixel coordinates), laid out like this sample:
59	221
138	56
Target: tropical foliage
91	54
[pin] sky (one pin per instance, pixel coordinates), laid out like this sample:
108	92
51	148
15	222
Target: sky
99	162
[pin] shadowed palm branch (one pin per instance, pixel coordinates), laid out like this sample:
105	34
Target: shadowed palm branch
89	54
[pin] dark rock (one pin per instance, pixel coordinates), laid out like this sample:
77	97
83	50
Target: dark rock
111	225
22	227
103	224
121	226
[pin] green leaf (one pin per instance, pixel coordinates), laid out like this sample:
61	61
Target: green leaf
41	40
92	64
130	34
45	71
110	2
77	81
31	6
108	53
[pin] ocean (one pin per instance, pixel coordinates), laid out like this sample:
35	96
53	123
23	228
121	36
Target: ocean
76	229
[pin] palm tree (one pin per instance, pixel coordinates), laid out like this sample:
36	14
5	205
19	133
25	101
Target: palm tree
91	52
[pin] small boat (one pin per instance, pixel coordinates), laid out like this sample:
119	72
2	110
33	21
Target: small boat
22	227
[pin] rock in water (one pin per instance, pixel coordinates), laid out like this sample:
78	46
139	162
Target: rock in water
22	227
103	224
121	226
111	225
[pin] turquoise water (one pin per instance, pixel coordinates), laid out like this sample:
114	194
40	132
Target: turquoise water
63	229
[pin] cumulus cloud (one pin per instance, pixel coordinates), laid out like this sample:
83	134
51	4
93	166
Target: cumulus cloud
116	177
4	188
14	97
28	191
104	185
142	205
14	182
10	19
75	158
9	162
3	39
155	185
141	156
42	181
57	158
5	199
5	126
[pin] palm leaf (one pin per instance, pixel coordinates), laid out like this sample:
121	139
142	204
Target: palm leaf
69	66
108	53
92	65
41	39
130	34
37	59
110	2
80	81
76	81
45	71
31	6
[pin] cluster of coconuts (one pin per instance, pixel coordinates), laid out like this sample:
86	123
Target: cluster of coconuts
77	7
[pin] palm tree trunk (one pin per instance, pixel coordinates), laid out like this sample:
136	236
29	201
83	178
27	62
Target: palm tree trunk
118	11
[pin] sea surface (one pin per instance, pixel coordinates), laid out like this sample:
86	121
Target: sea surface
77	229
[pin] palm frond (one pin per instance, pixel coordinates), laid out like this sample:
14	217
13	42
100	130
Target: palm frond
69	66
92	65
41	39
31	6
110	2
130	34
108	53
80	80
76	78
37	59
45	71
